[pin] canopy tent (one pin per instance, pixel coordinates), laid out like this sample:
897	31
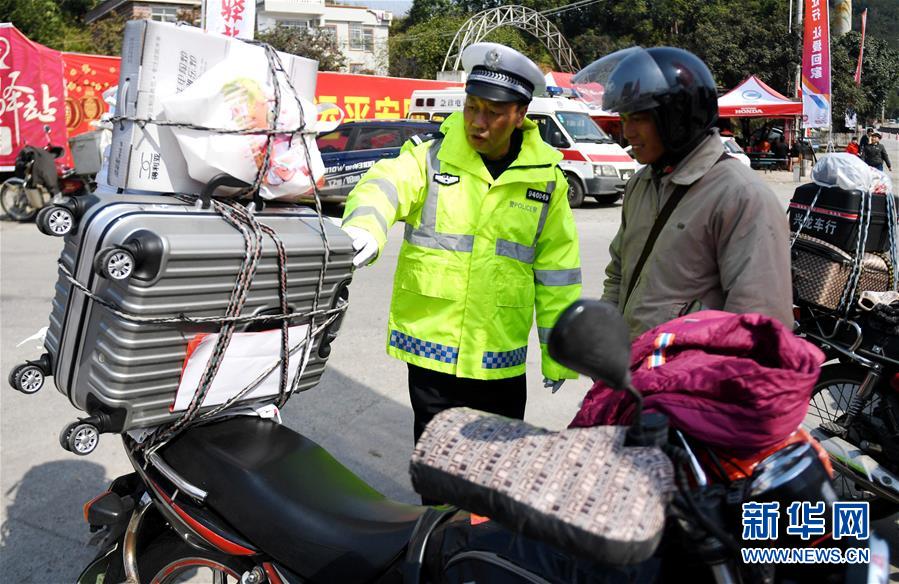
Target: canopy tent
753	99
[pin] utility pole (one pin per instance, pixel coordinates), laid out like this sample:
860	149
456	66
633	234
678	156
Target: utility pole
797	131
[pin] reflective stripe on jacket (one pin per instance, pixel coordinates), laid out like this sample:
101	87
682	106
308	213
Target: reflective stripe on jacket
478	255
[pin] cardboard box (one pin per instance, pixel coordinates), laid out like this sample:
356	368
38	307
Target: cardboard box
160	59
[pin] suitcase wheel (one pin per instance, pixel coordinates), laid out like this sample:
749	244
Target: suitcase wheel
114	263
27	378
79	438
55	220
41	220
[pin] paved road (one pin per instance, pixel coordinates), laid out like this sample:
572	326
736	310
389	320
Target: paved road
360	411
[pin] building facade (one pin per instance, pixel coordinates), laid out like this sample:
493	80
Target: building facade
161	10
360	33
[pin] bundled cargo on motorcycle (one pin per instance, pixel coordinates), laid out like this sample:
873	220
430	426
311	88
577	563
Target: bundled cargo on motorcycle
193	104
844	233
170	309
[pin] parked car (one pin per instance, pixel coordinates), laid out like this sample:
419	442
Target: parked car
351	148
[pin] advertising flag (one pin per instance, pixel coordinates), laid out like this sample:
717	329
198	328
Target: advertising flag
235	18
816	104
861	50
32	98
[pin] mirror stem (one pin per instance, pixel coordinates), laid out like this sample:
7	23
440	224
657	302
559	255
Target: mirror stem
638	403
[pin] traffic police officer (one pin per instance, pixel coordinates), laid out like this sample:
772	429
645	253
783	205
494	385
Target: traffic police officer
489	236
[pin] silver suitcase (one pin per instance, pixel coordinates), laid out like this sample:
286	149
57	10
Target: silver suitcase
185	261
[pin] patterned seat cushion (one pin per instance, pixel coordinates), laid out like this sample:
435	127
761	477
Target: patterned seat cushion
580	489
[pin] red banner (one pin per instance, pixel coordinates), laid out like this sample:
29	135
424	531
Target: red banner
861	50
366	96
816	65
31	95
86	78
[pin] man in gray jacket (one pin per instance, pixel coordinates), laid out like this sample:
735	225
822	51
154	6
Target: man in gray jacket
698	229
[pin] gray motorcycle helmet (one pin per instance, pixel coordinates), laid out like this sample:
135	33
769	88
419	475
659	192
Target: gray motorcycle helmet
674	84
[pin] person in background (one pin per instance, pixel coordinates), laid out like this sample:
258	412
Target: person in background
698	230
781	152
489	240
852	147
875	154
866	138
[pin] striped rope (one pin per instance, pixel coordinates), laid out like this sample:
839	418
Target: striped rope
849	291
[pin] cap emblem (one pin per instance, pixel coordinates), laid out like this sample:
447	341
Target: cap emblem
492	59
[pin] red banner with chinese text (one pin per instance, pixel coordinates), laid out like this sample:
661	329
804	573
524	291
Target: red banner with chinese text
86	78
31	95
366	96
816	65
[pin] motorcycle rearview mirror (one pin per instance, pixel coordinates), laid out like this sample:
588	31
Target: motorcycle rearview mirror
591	337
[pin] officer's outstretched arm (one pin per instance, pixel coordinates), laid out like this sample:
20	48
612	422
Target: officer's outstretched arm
387	193
557	272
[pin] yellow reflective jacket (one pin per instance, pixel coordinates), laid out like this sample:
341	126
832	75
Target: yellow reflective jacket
478	254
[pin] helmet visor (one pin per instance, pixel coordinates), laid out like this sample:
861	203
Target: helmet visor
625	81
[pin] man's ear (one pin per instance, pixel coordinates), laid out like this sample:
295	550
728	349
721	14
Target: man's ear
522	111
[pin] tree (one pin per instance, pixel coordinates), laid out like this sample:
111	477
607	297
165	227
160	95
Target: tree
315	44
40	20
420	51
880	76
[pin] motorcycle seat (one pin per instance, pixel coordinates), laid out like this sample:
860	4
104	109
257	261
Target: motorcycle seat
291	498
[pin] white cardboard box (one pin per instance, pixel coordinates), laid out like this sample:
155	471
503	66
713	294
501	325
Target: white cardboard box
160	59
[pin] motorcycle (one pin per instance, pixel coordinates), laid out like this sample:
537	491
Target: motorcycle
246	499
854	409
43	190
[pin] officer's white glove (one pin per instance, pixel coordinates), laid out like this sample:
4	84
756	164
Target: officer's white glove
555	385
364	243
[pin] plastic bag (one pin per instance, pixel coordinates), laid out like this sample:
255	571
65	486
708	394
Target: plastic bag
851	173
238	93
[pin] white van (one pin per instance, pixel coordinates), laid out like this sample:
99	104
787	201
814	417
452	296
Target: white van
595	165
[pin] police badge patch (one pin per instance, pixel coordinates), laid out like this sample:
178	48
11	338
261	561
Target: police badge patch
535	195
446	179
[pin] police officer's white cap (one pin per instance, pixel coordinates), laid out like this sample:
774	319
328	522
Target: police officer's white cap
499	73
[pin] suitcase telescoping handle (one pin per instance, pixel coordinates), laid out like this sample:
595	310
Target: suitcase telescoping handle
226	180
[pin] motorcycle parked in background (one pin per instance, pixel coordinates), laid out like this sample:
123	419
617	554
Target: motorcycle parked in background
854	409
44	190
245	499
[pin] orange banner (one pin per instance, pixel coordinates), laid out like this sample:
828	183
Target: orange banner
86	77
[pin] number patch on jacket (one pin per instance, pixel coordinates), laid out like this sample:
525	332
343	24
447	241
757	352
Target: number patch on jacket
540	196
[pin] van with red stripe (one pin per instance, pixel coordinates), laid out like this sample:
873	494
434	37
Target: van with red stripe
595	165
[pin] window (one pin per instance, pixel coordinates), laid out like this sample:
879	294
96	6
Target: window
548	130
333	141
329	32
164	13
379	138
582	128
357	42
368	39
294	23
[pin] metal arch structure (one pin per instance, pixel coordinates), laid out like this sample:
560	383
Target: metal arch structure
527	19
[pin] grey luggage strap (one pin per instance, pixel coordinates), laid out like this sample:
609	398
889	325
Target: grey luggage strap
661	220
